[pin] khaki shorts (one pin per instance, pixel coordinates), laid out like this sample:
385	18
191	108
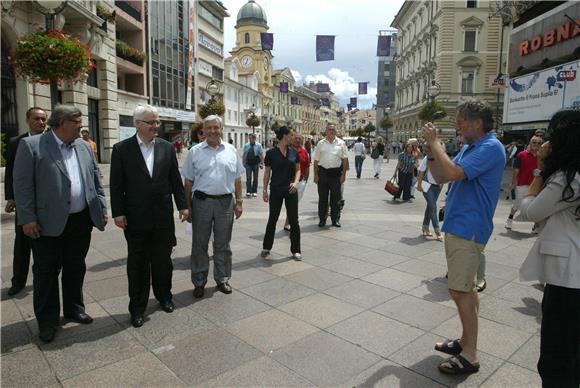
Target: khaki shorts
462	262
521	192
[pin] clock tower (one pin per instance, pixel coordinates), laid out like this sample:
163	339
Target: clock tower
251	22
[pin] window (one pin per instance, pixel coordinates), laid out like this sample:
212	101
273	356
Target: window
210	17
467	78
470	39
247	38
471	3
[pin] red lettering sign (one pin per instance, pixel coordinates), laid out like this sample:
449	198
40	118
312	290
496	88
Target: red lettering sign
557	35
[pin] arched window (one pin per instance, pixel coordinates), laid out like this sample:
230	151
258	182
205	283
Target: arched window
247	38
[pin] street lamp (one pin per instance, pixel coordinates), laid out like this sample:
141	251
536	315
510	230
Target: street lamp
434	89
213	89
252	110
50	9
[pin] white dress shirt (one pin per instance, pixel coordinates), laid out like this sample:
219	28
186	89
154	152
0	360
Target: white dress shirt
330	155
359	148
77	191
148	152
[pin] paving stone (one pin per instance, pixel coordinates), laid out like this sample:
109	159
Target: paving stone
361	293
324	359
282	267
405	250
270	330
278	291
222	309
248	276
10	312
389	374
353	268
422	268
318	278
528	355
320	310
510	375
501	271
525	315
349	249
436	257
518	293
145	371
395	280
375	333
415	311
107	288
493	284
200	357
420	357
27	368
435	291
382	258
16	336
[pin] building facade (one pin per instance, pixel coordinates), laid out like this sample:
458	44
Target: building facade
386	81
453	45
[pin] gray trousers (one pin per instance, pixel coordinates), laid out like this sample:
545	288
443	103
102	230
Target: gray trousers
217	215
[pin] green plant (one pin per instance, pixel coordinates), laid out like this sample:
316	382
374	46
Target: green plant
212	107
253	121
42	57
105	14
130	53
313	132
431	111
275	126
370	127
386	122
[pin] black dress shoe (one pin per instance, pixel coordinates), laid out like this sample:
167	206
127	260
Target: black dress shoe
321	223
336	223
83	318
15	290
47	334
225	288
168	306
198	292
137	320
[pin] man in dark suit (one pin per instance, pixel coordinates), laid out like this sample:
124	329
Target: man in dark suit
144	176
59	198
36	120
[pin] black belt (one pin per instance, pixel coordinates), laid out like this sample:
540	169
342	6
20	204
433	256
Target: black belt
332	168
202	195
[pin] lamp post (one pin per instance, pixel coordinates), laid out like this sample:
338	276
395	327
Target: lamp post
50	9
433	90
252	110
213	89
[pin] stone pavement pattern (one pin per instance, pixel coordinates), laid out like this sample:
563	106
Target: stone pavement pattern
364	308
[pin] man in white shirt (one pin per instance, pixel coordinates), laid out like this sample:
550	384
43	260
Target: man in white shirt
359	156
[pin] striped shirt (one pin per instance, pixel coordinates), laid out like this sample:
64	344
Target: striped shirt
406	162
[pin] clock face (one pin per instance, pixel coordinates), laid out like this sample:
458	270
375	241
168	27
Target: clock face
247	61
266	63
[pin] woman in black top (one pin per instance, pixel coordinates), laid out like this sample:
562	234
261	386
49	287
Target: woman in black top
283	166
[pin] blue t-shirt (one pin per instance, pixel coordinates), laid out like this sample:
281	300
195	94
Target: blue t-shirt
471	202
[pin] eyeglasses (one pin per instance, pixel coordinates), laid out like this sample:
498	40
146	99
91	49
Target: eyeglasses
151	122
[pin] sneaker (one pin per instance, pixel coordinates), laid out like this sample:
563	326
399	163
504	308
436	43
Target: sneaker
297	256
509	223
254	194
265	252
248	195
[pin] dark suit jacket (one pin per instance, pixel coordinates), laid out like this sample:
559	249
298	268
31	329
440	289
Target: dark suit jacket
144	200
10	156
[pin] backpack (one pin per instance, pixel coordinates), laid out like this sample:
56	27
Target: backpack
376	153
251	158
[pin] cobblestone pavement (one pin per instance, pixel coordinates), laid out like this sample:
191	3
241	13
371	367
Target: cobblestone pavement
365	307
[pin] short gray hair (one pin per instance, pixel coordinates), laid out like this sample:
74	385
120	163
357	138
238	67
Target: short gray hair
62	113
213	118
141	110
477	110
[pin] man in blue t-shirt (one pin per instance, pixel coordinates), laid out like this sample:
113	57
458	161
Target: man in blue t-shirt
476	172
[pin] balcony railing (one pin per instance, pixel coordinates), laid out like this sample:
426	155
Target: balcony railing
129	9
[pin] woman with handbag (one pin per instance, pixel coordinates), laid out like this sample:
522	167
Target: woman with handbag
404	173
431	190
377	156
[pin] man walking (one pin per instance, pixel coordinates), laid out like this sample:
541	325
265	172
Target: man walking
476	173
36	120
359	156
144	177
59	198
213	174
253	158
525	166
330	166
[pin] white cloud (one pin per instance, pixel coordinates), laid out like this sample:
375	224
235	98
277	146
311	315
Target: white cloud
297	76
344	87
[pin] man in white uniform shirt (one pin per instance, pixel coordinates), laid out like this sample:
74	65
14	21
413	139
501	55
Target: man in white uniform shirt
330	166
213	188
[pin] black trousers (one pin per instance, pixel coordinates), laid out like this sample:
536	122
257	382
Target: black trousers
329	182
51	254
275	202
405	182
149	261
21	260
559	364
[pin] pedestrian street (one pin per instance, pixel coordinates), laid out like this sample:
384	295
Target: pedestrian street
364	307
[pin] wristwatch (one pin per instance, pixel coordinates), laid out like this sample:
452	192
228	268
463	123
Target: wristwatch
239	200
537	172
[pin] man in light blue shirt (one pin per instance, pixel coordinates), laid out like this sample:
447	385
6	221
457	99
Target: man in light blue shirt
476	173
253	160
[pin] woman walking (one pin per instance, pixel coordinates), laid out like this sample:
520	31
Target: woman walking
378	154
359	156
431	190
404	172
553	201
282	172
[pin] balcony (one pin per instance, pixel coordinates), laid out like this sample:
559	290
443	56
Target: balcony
126	7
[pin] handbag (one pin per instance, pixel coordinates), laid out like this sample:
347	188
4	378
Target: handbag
392	187
376	153
441	214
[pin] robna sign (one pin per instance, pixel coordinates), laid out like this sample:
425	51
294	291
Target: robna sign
557	35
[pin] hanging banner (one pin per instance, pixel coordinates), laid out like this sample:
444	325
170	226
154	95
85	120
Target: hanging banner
348	107
322	88
338	113
353	102
267	39
324	48
362	87
325	102
384	46
294	100
283	87
190	43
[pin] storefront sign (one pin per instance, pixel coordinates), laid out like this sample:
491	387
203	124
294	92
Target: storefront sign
498	82
209	44
537	96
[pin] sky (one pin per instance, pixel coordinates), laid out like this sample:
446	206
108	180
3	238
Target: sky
295	24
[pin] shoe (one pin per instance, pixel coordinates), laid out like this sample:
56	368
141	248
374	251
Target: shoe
480	286
137	320
376	176
248	195
198	292
15	290
412	197
83	318
265	252
509	223
254	194
336	223
168	306
46	334
225	288
297	256
321	223
427	232
287	228
439	236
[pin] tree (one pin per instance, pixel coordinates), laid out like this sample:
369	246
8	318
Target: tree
386	123
253	121
275	126
359	131
431	111
370	127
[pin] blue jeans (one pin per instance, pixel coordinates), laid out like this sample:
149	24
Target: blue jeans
431	210
252	178
358	162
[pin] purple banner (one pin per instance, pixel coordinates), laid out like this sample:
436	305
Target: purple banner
325	102
283	87
384	46
362	87
324	48
294	101
267	39
353	102
322	88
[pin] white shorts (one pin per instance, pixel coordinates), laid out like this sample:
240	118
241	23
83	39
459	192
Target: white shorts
521	192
